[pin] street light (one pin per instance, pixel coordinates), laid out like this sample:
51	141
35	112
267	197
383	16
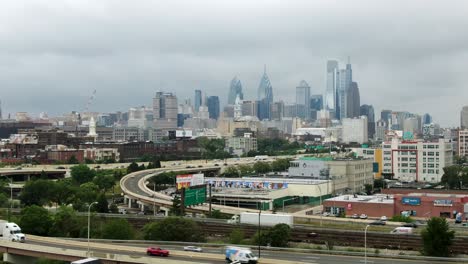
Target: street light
365	244
89	214
320	197
11	199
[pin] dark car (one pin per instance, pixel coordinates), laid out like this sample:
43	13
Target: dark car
155	251
378	222
413	225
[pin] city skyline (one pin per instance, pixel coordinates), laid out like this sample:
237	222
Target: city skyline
410	61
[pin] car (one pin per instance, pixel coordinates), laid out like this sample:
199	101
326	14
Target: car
60	168
200	166
383	218
378	222
225	164
326	214
413	225
216	164
363	216
156	251
355	216
193	248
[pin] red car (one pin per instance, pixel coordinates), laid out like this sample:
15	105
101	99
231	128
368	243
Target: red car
153	251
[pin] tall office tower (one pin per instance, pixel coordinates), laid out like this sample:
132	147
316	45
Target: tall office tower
345	78
249	108
353	101
332	85
385	115
277	109
235	89
213	107
316	104
380	128
1	117
198	100
303	100
265	97
165	111
464	117
368	110
427	119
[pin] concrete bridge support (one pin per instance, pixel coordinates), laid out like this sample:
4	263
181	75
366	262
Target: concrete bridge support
18	259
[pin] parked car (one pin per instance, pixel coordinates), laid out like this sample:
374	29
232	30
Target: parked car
378	222
355	216
326	214
193	248
156	251
383	218
363	216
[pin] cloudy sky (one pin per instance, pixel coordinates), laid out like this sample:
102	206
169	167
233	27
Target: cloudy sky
406	55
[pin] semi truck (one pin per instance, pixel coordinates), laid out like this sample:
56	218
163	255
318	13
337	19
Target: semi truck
265	219
11	232
240	255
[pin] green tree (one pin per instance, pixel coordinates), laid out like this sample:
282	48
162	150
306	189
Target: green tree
133	167
102	205
379	183
368	188
212	148
451	177
279	235
104	182
261	167
73	160
245	170
61	192
437	238
82	174
231	172
87	193
35	220
36	192
280	164
118	229
261	238
174	229
236	236
65	223
175	209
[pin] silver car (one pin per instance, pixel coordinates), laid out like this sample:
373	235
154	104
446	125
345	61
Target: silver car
193	248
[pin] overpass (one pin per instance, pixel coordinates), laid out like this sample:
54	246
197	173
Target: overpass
23	175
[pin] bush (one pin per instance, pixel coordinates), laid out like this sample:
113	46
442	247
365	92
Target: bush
401	218
174	229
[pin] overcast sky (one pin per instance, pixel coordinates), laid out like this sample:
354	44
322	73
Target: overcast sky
406	55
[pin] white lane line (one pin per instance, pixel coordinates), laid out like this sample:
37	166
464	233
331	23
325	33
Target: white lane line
312	257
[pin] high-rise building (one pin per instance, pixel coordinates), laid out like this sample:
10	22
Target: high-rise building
345	79
265	97
354	101
213	107
427	119
368	111
316	104
380	128
303	100
332	84
235	89
463	142
277	109
355	130
249	108
464	117
386	115
198	100
165	110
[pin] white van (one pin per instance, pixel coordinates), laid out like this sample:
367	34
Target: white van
402	230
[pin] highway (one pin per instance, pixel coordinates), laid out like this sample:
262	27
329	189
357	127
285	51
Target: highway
211	255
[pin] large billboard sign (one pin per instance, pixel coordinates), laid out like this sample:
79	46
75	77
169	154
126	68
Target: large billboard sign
248	184
411	200
188	180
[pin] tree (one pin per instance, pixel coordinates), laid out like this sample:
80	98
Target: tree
174	229
104	182
35	220
133	167
102	205
236	236
231	172
82	174
280	165
451	176
36	192
379	183
279	235
62	192
65	223
118	229
245	170
175	209
87	193
368	188
437	238
73	160
261	167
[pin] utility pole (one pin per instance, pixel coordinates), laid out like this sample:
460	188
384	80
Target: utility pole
182	201
209	193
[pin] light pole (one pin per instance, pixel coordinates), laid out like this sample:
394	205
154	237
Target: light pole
89	216
365	244
11	199
259	235
320	197
154	199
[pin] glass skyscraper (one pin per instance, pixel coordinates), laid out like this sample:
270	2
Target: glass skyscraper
235	89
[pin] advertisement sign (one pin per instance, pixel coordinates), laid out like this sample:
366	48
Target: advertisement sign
187	180
349	206
375	167
443	203
248	184
411	200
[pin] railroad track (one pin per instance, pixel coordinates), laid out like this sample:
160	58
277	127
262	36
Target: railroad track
327	236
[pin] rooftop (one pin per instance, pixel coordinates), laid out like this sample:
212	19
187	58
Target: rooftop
383	199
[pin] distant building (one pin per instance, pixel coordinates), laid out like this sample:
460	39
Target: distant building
241	145
380	128
386	115
165	111
265	97
463	143
198	100
213	107
303	100
355	130
102	154
277	109
235	89
353	101
427	119
368	111
411	125
249	108
332	85
464	118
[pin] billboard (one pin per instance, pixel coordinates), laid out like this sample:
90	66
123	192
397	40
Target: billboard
24	139
248	184
183	133
411	200
188	180
443	203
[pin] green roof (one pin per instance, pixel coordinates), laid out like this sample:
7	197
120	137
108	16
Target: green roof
316	158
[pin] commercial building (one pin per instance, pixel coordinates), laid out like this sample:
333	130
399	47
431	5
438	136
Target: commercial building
102	154
213	107
303	100
198	100
265	97
165	110
355	130
421	160
353	101
368	111
463	142
464	118
235	89
241	145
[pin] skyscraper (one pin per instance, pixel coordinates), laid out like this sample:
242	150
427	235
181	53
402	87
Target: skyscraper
427	119
303	100
345	79
385	115
165	110
198	100
464	117
353	101
213	107
265	97
368	110
332	84
234	90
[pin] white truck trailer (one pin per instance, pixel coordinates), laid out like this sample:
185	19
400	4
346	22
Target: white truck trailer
265	219
11	232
